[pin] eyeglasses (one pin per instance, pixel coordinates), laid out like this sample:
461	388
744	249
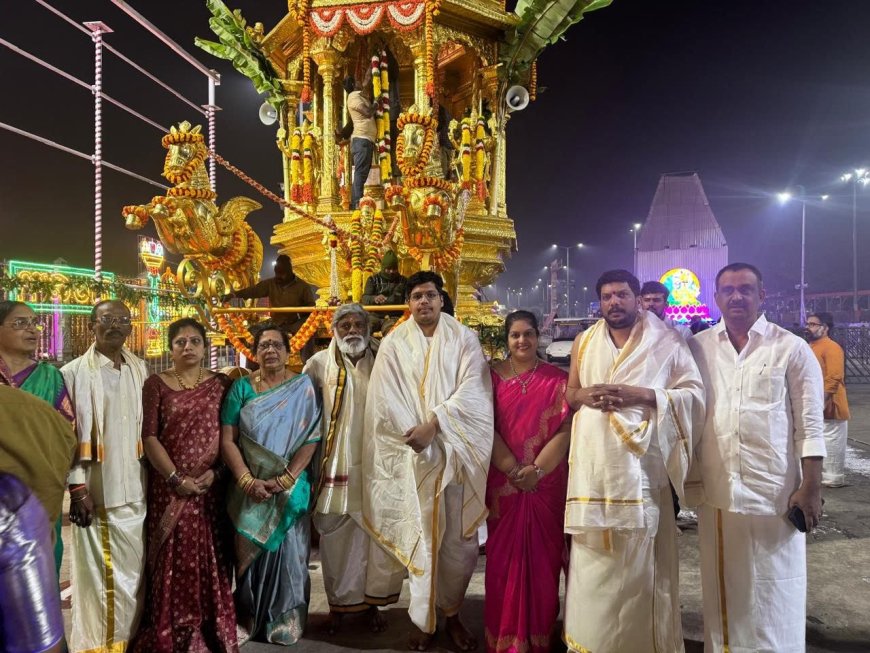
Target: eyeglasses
22	323
112	320
181	343
270	344
814	324
347	326
431	296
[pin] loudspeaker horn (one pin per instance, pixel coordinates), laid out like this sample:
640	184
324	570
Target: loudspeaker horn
268	114
517	98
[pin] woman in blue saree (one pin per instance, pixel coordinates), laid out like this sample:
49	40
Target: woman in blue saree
270	431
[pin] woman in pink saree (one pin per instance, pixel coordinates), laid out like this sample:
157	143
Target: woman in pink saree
525	494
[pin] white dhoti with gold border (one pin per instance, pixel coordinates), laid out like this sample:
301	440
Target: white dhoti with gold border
357	573
425	508
622	586
107	579
754	577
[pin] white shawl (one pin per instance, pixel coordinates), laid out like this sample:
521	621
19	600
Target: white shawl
411	381
339	482
605	479
85	386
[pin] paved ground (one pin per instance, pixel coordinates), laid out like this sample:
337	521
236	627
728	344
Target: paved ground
838	559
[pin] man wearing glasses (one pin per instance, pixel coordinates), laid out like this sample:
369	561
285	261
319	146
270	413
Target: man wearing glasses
833	361
107	485
429	425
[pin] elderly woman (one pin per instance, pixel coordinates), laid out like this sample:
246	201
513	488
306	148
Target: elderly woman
19	339
189	564
525	494
271	430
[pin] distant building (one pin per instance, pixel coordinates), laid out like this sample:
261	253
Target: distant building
682	245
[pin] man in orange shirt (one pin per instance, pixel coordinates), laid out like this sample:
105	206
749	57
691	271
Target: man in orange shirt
833	362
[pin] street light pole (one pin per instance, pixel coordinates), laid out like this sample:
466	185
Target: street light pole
634	230
803	256
860	175
802	198
567	274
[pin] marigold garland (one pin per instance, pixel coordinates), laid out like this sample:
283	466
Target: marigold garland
429	127
192	193
309	328
303	20
432	10
422	182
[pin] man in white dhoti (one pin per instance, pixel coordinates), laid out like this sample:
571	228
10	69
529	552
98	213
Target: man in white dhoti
764	413
358	574
429	427
107	486
638	395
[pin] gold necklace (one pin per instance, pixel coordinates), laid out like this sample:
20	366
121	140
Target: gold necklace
258	381
523	384
181	382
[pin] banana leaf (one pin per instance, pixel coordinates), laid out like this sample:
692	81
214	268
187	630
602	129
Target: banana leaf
542	23
237	46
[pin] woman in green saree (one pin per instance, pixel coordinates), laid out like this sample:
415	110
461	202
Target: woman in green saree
19	340
270	431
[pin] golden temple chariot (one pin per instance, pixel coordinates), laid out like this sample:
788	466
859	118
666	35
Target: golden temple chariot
443	77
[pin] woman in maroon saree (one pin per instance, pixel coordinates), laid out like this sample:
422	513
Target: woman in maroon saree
189	606
525	494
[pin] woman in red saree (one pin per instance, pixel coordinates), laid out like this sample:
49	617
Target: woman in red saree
525	494
189	606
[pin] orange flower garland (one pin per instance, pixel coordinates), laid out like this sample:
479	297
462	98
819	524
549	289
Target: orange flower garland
193	193
432	10
430	125
302	9
435	182
233	336
309	328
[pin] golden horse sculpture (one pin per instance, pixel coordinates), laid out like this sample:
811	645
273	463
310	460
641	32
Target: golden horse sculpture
428	204
220	248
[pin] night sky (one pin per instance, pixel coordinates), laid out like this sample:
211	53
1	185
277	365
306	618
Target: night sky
754	96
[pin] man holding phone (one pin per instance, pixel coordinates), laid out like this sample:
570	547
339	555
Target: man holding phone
760	464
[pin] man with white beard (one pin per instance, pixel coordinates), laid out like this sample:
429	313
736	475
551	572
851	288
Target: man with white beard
357	574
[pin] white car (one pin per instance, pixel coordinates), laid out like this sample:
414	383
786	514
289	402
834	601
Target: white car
559	351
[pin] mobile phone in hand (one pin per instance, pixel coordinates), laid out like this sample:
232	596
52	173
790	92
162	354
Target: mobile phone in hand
796	517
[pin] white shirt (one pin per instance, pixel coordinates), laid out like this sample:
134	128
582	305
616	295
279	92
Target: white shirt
346	456
764	413
120	479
